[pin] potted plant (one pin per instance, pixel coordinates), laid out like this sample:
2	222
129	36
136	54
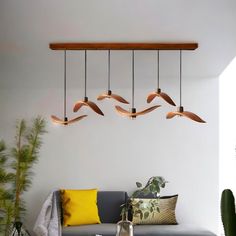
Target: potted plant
151	189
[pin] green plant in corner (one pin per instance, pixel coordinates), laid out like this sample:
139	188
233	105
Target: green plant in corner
228	214
22	157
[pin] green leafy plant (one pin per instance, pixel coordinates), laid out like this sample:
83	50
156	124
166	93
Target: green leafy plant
228	214
16	169
151	189
6	194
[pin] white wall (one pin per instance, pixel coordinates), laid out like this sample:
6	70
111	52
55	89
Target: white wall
111	152
227	128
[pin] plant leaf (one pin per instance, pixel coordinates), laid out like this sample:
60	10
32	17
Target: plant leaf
146	215
141	215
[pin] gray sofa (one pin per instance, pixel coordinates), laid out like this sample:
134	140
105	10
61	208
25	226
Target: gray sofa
109	211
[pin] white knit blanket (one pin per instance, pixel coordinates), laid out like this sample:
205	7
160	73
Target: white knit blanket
48	222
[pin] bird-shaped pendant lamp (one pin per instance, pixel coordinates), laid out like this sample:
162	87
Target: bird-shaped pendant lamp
180	111
86	101
109	93
158	92
132	113
65	121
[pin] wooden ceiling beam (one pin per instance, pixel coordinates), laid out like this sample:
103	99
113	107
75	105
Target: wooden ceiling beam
123	46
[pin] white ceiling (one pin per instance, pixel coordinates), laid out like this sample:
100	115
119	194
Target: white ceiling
27	27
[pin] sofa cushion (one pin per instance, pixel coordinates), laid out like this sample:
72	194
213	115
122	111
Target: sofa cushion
79	207
109	203
105	229
170	230
139	230
143	215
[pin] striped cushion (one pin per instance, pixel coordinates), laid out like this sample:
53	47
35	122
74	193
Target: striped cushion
165	216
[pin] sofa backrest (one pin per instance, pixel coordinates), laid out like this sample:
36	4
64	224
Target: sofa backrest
109	205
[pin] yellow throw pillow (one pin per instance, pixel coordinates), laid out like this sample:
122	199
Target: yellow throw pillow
79	207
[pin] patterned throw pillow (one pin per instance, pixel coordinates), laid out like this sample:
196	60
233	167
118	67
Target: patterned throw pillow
154	211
